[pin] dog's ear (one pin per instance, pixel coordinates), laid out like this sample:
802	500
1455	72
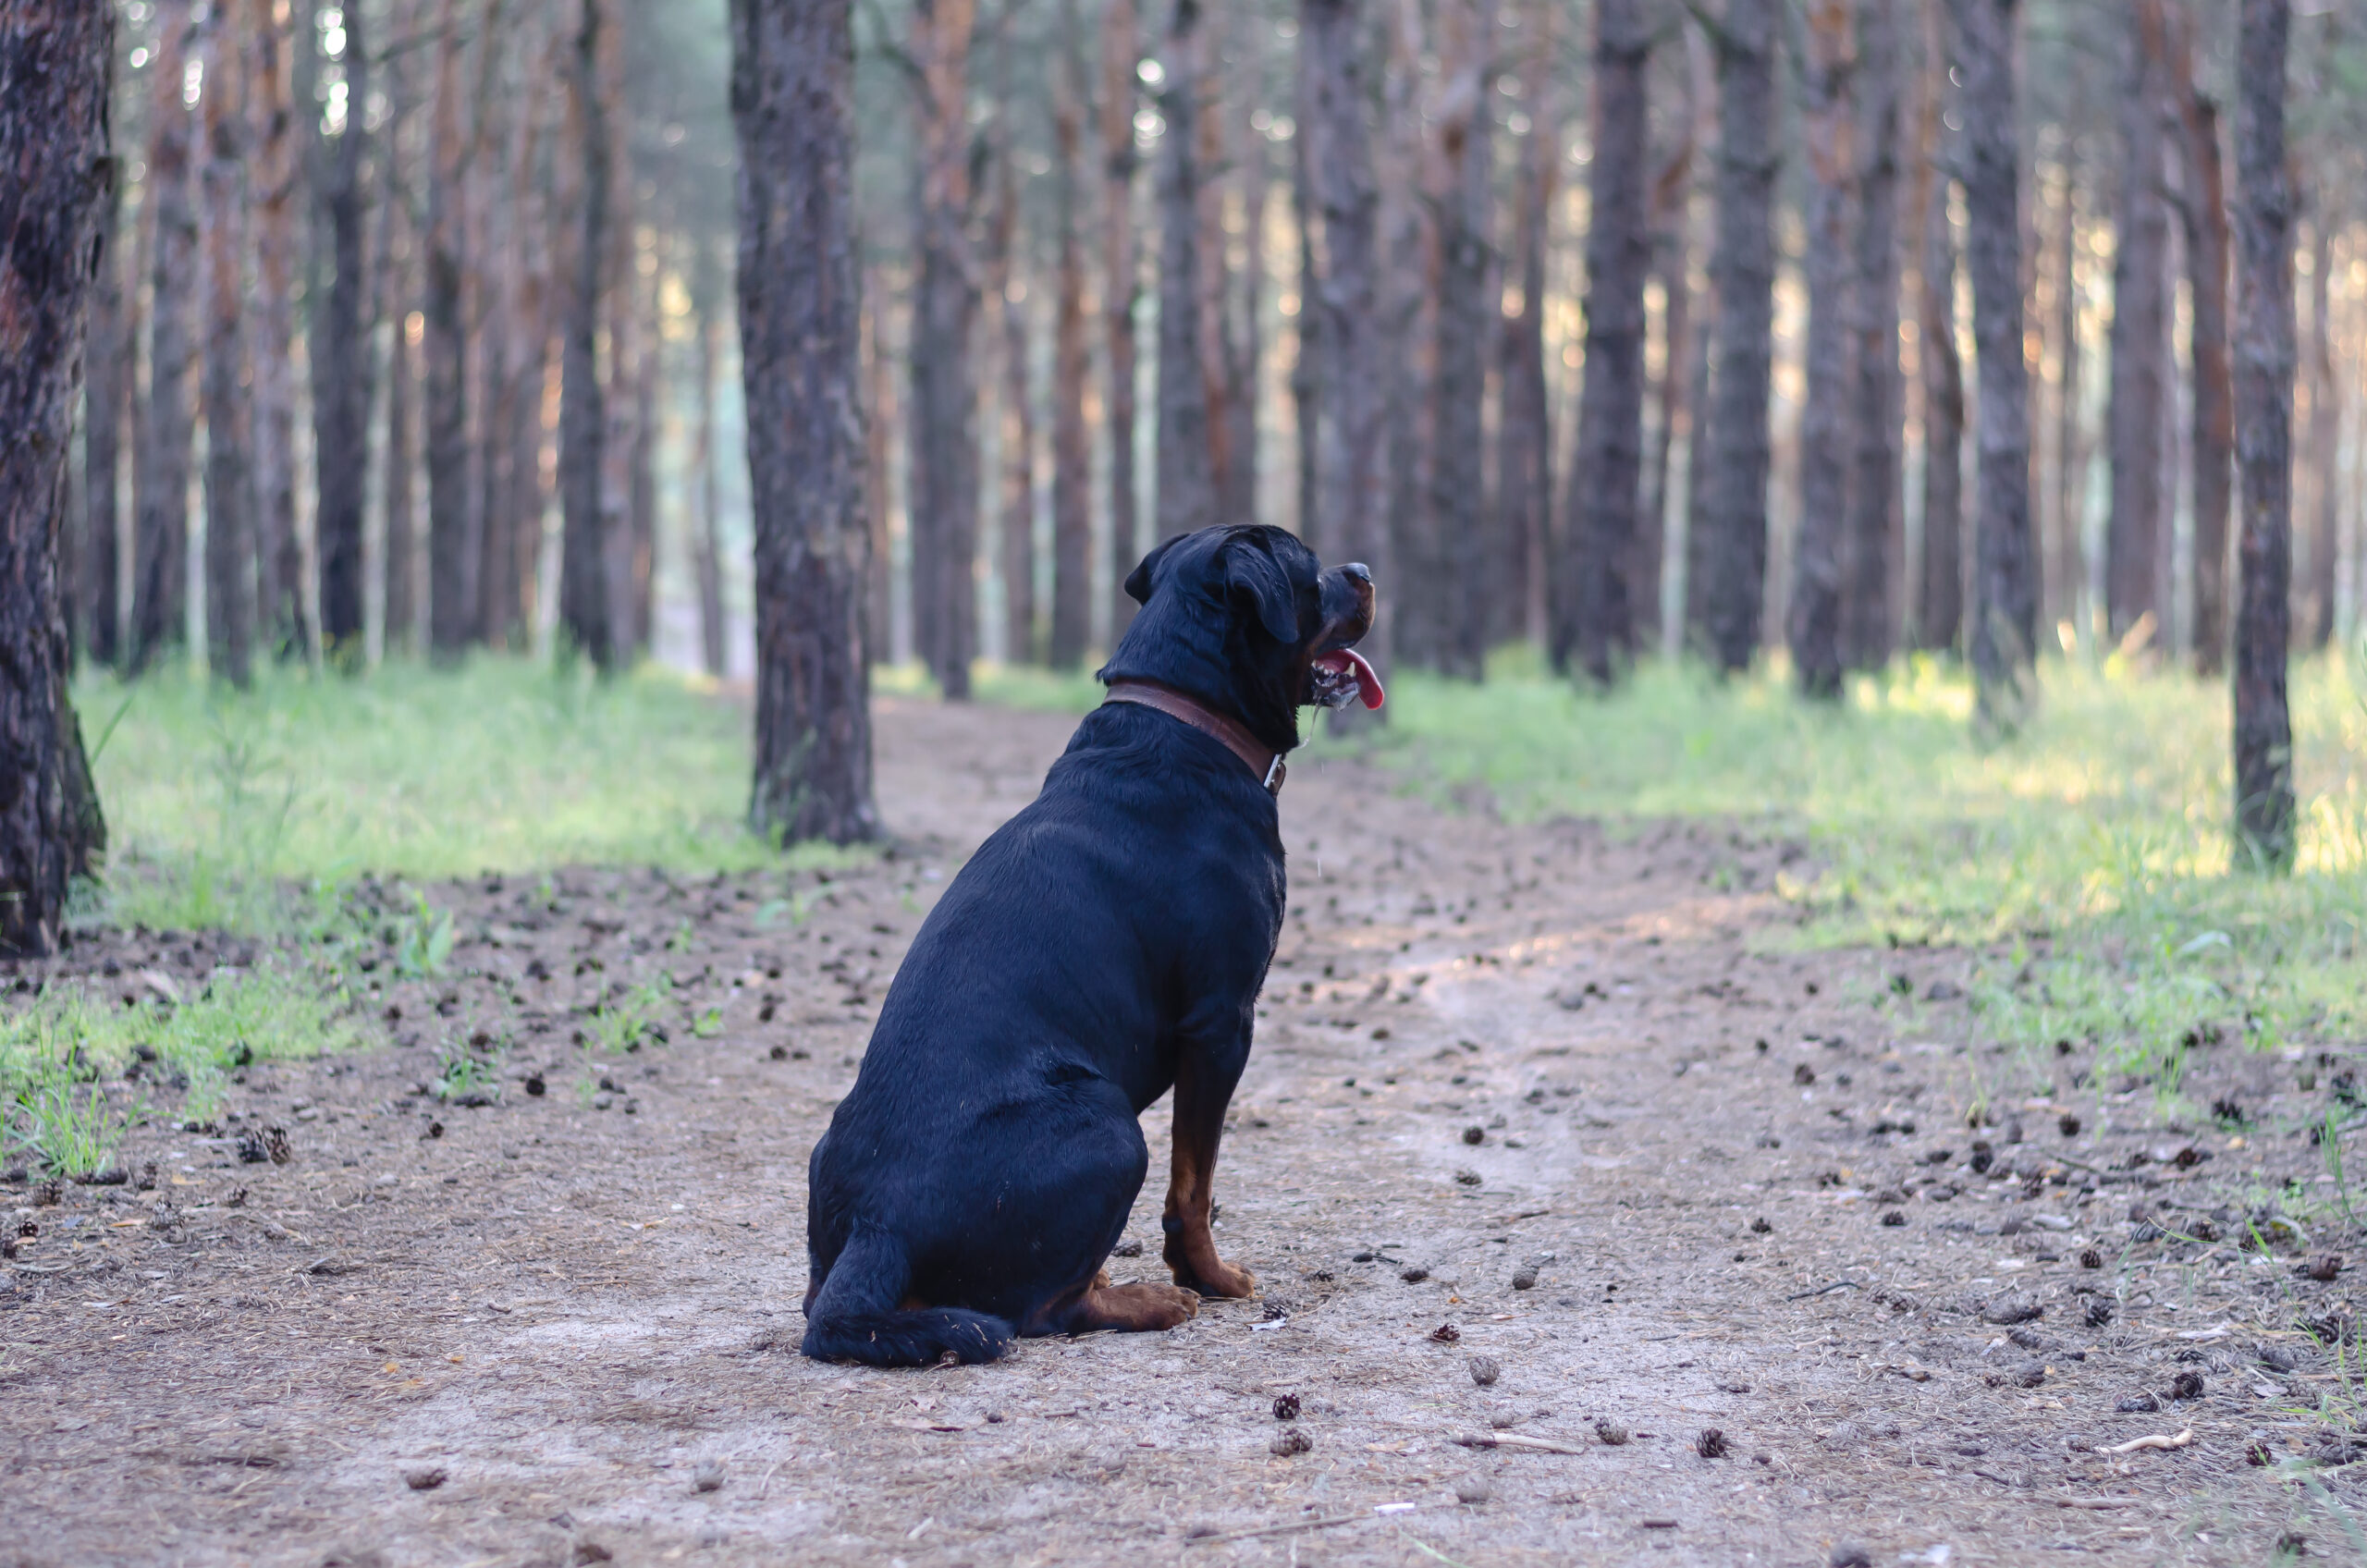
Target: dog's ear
1139	580
1251	570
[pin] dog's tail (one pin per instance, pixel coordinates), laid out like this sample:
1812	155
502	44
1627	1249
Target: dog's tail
855	1318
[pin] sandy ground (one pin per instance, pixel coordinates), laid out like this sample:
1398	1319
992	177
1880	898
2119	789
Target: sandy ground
1549	1140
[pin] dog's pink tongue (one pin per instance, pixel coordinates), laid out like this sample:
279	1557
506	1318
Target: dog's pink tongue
1367	684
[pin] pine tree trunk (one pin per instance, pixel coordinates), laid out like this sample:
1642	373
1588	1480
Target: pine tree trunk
943	460
1826	423
584	606
161	476
107	384
2320	528
1016	507
1459	517
1345	200
1940	594
1071	620
880	406
623	545
1407	289
1672	396
1219	355
1598	617
641	493
1120	288
2264	726
793	91
1185	491
1727	557
1237	499
450	614
57	65
229	477
706	543
277	179
2137	533
2005	626
1868	611
2204	214
1306	366
2067	561
1524	442
501	330
530	328
342	361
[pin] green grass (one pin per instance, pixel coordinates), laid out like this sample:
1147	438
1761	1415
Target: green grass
2102	831
65	1097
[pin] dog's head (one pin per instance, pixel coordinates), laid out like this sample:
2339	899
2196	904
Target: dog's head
1245	618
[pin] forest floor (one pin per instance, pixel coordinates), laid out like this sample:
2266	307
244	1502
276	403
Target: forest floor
1553	1138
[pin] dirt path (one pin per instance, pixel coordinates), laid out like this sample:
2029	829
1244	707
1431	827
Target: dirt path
1563	1094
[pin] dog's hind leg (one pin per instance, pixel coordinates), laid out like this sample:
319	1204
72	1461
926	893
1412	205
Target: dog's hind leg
1125	1309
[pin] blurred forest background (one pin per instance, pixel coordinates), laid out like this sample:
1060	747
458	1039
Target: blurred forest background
383	274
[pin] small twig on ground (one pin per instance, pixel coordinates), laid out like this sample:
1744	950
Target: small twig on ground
1509	1439
1274	1529
1823	1290
2157	1441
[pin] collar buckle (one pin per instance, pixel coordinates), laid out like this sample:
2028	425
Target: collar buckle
1275	774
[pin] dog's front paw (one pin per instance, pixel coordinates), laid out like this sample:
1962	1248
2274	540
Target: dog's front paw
1217	1279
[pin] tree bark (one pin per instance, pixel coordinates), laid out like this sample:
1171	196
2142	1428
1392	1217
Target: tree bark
1072	618
1459	517
2005	628
880	406
2321	527
624	544
1827	130
523	501
1353	513
1939	619
793	91
282	611
161	460
1405	288
584	421
2264	726
707	542
1875	536
1727	557
1225	394
1597	622
1524	439
341	358
107	386
2203	212
1120	288
1187	492
1015	510
943	459
450	613
1671	232
230	533
2137	533
56	65
1306	367
2066	575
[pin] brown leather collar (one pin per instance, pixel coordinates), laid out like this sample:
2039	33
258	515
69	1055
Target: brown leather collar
1263	760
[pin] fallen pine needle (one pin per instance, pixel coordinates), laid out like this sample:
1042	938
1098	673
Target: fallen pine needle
2096	1502
2157	1441
1276	1529
1507	1439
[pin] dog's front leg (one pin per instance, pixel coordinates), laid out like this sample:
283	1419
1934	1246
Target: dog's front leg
1205	1076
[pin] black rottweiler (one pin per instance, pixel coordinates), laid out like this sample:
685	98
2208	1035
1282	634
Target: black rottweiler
1105	945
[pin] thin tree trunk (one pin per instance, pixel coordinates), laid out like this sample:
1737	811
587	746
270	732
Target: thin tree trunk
449	616
2068	571
1875	536
501	329
1728	554
1346	202
583	580
706	543
1672	206
879	404
530	332
2264	727
341	359
229	477
1244	344
1406	288
107	384
56	69
1219	356
1016	510
1120	288
641	469
2326	431
1071	620
277	180
1186	493
1459	519
1940	595
2137	533
1525	441
1827	130
161	473
2204	215
2005	626
793	91
623	544
1598	621
943	460
1307	368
